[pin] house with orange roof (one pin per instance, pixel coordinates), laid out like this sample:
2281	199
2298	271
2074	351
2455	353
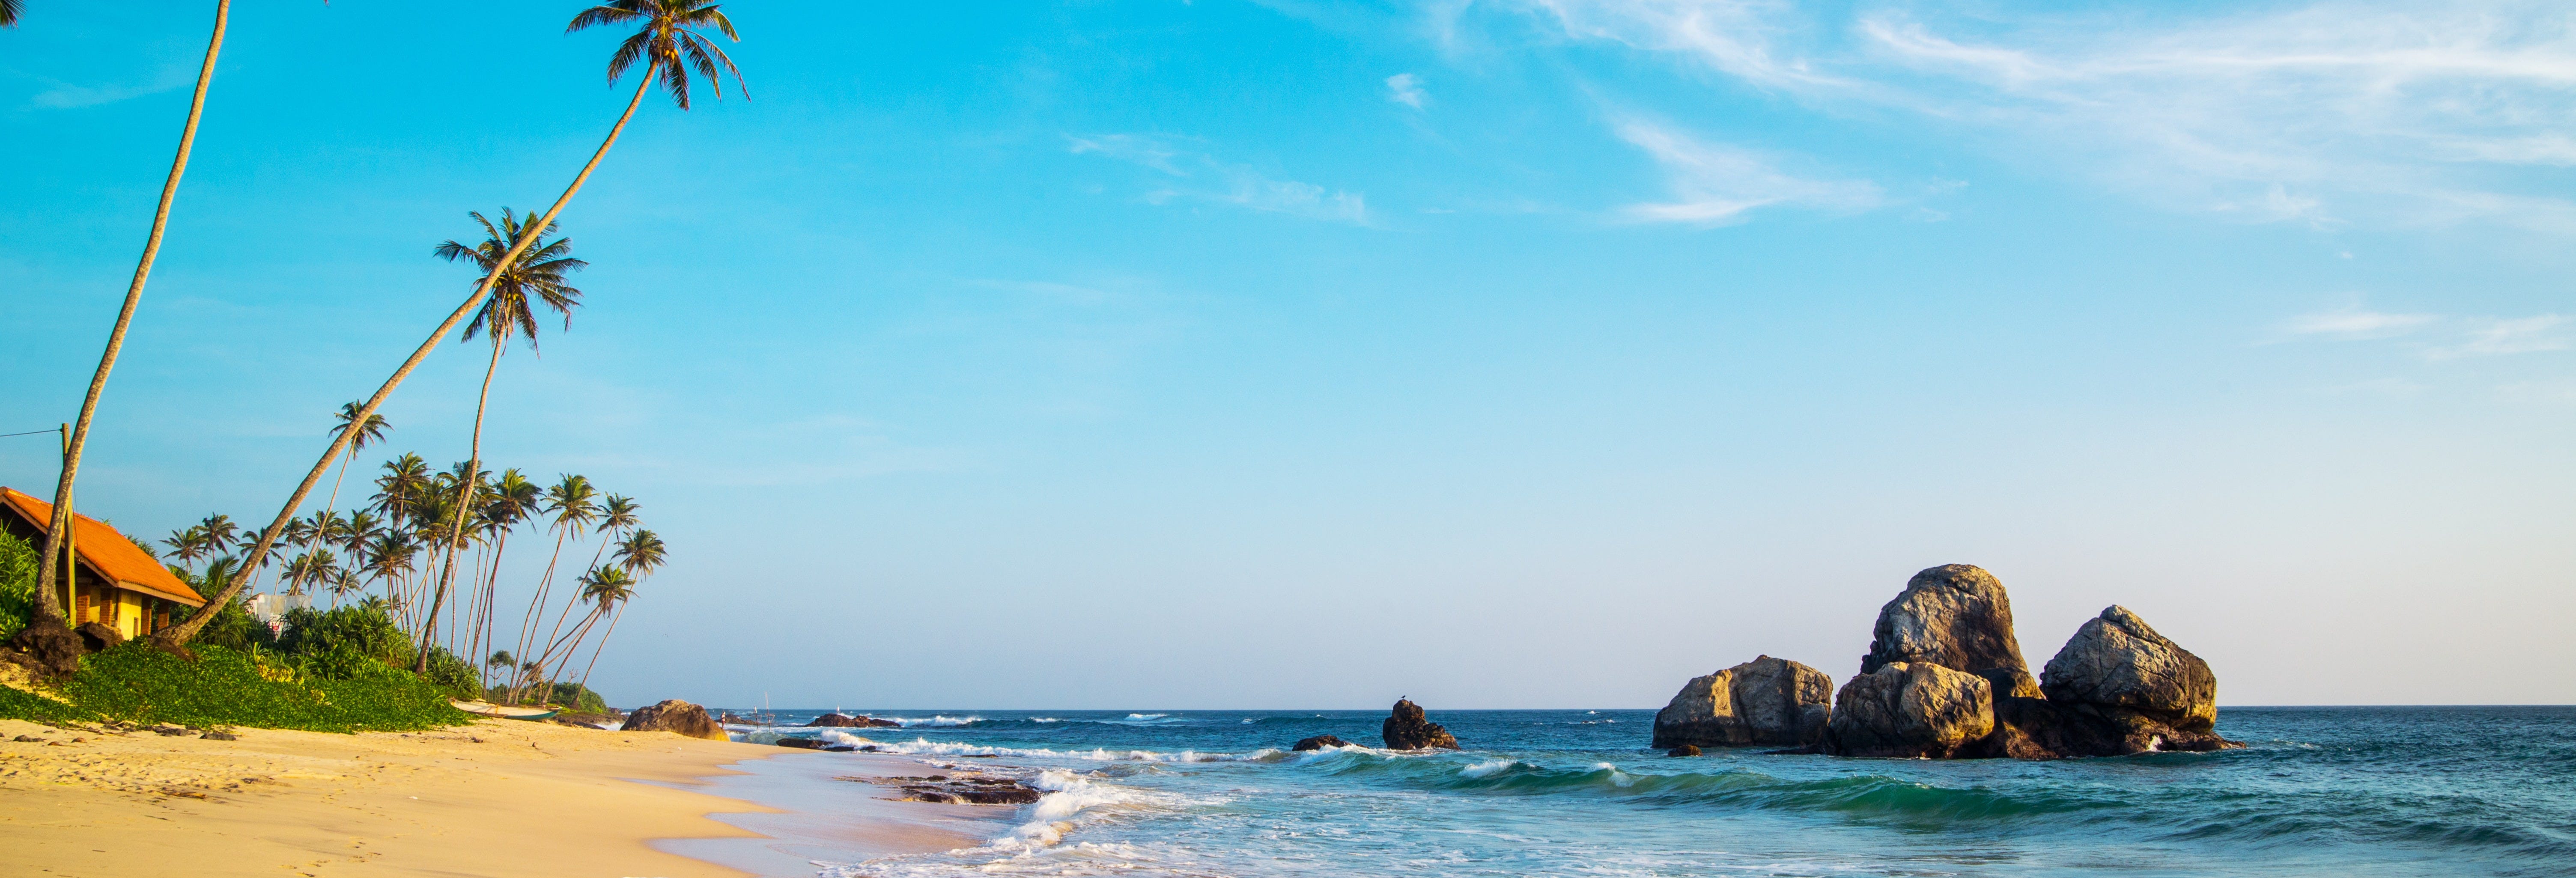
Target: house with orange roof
116	583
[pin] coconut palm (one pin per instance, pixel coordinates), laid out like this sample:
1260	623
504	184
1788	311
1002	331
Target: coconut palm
605	589
513	499
515	288
189	544
311	567
340	582
220	531
49	610
668	41
9	10
639	554
369	429
616	516
572	502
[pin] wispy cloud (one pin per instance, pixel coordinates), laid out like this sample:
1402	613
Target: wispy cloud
1717	184
2357	324
1406	89
2521	335
1199	177
2344	111
60	95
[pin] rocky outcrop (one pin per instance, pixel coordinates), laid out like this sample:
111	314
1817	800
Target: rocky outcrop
677	717
1408	729
1955	616
1911	709
2117	688
2115	660
843	721
1763	701
1319	742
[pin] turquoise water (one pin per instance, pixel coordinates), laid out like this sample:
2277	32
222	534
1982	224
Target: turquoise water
2447	791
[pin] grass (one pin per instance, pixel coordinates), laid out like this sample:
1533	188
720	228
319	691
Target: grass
136	683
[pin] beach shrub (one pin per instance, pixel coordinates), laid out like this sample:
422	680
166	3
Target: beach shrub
18	563
225	687
16	704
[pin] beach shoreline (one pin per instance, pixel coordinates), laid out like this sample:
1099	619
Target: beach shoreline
496	797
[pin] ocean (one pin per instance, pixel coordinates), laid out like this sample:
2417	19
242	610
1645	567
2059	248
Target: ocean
2362	791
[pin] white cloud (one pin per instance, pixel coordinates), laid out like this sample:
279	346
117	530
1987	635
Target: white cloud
2521	335
1200	177
2369	111
2357	324
1406	89
1716	184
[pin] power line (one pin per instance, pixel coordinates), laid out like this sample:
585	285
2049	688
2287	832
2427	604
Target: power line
30	433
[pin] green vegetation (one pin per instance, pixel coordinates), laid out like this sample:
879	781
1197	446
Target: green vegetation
18	563
330	671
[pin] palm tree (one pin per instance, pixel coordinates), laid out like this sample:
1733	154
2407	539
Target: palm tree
188	545
606	588
220	531
49	610
515	287
9	10
311	567
572	504
668	41
370	430
616	517
640	555
514	499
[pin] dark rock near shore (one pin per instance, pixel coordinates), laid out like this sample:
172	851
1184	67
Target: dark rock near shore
96	637
1763	701
1912	710
960	789
1319	742
1956	616
804	743
677	717
1683	750
844	721
1408	729
732	719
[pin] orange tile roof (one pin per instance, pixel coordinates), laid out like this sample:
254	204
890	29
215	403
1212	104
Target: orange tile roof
105	552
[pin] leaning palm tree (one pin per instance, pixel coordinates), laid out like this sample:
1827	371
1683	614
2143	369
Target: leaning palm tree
49	624
616	517
370	429
606	589
572	503
515	287
668	41
640	555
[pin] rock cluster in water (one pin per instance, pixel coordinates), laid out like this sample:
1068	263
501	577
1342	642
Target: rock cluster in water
1319	742
1763	701
1945	679
1407	729
676	716
845	721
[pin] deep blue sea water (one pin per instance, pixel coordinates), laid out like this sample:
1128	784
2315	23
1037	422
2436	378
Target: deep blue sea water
2429	791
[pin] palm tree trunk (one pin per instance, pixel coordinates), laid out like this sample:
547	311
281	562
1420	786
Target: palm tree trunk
49	607
602	647
536	605
182	633
471	480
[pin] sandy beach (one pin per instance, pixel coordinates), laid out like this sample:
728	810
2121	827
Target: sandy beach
494	798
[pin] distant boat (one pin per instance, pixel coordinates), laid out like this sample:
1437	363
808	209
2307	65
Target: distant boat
496	711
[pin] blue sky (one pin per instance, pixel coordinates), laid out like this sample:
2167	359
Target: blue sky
1511	354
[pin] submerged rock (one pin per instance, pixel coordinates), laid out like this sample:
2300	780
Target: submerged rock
677	717
843	721
1763	701
1911	709
1319	742
1683	750
1958	617
1407	729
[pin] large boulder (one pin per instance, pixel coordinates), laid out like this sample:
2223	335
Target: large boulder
1911	709
2115	660
1763	701
1318	742
1407	729
677	717
845	721
2117	688
1955	616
